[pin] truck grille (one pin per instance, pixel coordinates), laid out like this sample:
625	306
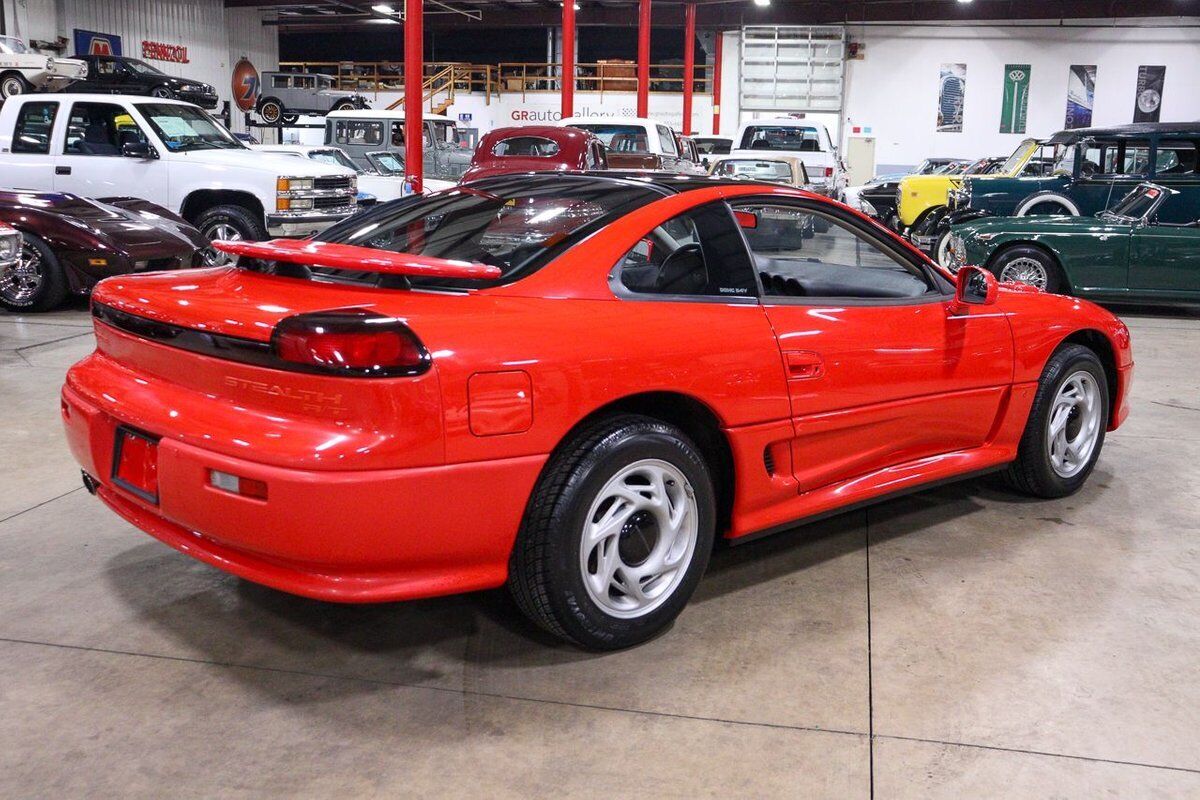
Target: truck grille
333	182
328	203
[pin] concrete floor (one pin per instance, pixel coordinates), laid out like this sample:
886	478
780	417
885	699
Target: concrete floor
962	642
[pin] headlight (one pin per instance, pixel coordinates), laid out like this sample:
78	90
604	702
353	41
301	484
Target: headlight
10	245
189	87
867	208
293	185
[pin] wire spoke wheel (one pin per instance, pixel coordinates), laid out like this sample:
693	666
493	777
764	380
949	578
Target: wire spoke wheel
1074	423
1026	270
639	538
20	282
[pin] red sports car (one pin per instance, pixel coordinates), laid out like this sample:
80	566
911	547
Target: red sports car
571	384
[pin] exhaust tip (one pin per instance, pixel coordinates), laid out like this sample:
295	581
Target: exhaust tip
89	482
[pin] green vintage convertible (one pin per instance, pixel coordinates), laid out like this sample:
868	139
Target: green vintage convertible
1122	254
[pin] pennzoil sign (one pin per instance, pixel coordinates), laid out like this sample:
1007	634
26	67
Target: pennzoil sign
158	51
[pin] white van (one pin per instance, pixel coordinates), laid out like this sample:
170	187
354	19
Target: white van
795	136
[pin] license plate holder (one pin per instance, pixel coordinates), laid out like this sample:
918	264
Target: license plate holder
135	463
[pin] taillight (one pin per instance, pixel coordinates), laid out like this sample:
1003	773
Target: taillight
350	343
829	172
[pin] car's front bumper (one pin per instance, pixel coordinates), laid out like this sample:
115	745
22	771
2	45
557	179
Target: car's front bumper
301	224
202	99
338	535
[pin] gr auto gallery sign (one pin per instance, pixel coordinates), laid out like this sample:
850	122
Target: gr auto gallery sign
159	51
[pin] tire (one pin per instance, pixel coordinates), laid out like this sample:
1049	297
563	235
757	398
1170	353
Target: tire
1037	471
1029	265
559	582
163	92
941	252
228	222
36	282
13	84
271	111
345	105
1047	203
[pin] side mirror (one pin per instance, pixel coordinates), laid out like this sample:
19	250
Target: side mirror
138	150
974	286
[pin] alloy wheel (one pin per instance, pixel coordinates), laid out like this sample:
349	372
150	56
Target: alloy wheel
1026	270
1074	423
20	282
224	232
639	538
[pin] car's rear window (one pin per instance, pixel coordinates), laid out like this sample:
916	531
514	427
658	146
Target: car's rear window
752	168
618	138
781	137
516	223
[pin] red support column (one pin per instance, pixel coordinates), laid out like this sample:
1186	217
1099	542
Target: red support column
568	59
689	64
414	96
643	59
716	86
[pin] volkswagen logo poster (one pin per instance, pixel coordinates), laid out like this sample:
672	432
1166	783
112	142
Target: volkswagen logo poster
1015	105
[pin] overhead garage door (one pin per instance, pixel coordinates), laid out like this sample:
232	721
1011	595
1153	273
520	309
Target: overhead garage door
792	68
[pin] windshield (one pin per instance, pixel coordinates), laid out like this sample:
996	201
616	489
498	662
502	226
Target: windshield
1018	157
781	137
142	68
335	157
13	46
184	128
387	163
1137	204
513	223
446	134
776	171
619	138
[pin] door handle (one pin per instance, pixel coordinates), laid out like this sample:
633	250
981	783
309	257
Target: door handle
62	170
803	364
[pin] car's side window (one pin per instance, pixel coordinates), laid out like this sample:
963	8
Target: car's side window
100	129
1175	157
35	122
802	252
697	254
667	140
279	81
358	132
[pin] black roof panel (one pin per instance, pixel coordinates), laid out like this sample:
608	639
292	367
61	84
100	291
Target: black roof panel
1118	131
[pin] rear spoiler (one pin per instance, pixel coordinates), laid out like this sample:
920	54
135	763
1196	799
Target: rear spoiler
360	259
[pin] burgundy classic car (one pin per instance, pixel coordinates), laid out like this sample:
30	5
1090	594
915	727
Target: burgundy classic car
69	243
536	148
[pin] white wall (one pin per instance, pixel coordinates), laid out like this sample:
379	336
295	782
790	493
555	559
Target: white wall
215	37
894	89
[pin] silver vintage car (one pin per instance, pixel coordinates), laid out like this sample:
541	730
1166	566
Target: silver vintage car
361	133
287	95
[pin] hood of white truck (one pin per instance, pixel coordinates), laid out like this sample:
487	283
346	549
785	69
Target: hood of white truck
257	160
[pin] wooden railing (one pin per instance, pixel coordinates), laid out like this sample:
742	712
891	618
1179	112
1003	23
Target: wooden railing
509	77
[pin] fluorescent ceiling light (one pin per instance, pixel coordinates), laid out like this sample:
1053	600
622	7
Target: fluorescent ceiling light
383	8
378	21
762	2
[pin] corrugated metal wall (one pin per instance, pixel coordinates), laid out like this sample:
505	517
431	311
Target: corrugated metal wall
215	37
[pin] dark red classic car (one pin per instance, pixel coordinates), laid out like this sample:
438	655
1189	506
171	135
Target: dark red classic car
536	148
69	243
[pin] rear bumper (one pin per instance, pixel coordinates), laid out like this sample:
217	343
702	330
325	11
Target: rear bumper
344	536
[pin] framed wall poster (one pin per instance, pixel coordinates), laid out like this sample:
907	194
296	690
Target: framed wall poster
1147	99
952	91
1014	106
1081	95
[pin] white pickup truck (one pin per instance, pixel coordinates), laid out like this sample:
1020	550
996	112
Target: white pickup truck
172	154
804	139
